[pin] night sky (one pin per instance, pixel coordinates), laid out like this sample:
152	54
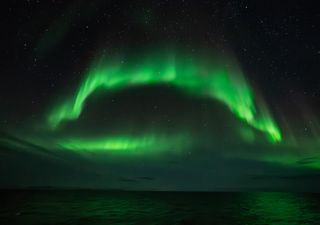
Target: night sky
160	95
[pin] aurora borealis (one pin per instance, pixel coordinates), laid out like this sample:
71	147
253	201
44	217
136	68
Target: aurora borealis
138	145
217	83
211	96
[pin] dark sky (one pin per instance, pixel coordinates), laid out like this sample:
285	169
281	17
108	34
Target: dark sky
50	48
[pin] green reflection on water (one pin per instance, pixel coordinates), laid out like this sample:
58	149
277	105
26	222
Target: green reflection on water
279	208
159	208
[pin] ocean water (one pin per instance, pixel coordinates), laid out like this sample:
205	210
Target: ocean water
158	208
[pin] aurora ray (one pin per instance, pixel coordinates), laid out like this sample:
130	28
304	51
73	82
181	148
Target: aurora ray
215	81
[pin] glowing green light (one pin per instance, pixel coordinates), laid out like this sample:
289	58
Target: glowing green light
151	143
216	82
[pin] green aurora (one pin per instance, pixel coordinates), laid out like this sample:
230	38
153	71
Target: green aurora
148	144
208	78
218	82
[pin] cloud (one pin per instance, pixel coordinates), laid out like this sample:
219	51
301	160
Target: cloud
146	178
302	176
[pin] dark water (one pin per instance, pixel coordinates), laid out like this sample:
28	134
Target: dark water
162	208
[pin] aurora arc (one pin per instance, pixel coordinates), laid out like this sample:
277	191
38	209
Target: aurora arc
134	144
218	82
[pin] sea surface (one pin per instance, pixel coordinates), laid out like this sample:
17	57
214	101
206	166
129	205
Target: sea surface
158	208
